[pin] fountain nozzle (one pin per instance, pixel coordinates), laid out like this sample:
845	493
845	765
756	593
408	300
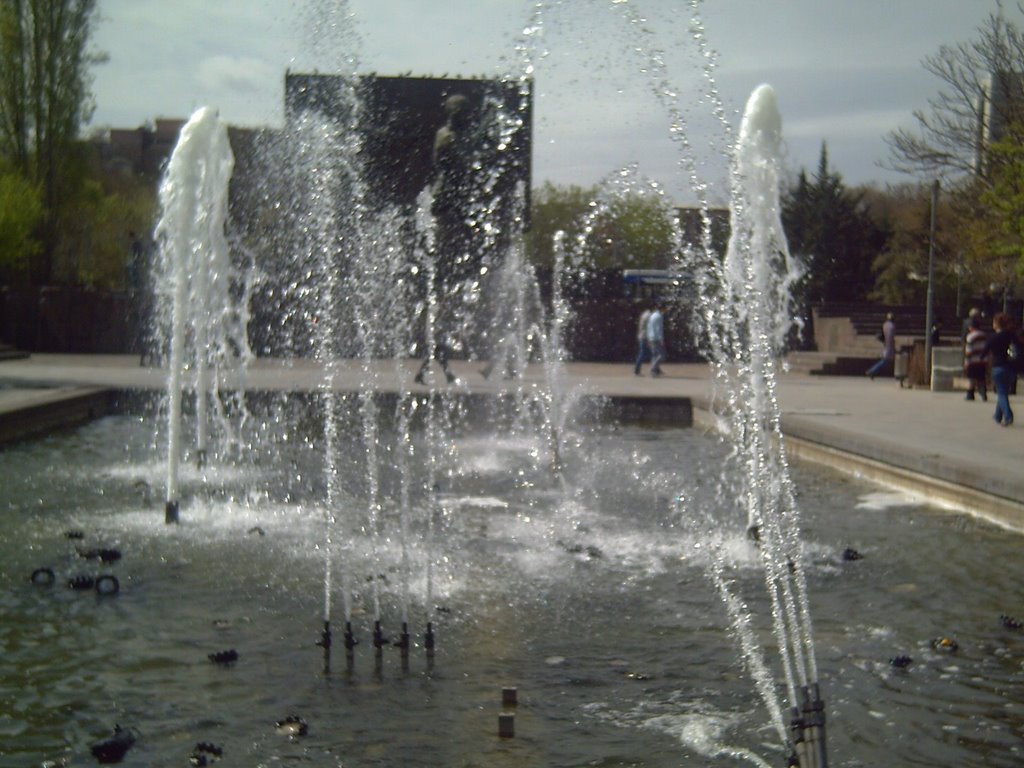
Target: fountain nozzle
325	643
796	726
171	513
809	729
379	641
325	636
350	638
403	641
200	458
403	646
814	722
428	638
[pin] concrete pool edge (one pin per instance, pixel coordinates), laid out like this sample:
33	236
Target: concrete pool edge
887	466
935	491
28	414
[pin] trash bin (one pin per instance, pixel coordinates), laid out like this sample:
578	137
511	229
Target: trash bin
947	364
901	365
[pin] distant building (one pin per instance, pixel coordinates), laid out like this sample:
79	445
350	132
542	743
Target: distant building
1000	106
141	151
400	118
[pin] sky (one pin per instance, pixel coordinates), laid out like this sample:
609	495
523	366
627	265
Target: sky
846	72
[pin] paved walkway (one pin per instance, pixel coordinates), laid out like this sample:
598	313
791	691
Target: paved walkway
933	443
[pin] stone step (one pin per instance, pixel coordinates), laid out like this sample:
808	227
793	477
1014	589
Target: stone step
846	365
7	352
800	361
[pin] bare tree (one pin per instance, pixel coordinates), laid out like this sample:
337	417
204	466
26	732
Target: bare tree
981	100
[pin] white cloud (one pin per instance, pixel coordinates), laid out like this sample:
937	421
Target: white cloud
849	125
846	73
236	73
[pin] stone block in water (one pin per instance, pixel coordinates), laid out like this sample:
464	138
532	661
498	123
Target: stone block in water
104	554
107	584
114	749
79	583
43	577
224	658
205	754
292	726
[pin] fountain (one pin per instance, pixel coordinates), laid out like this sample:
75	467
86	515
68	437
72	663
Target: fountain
192	282
564	561
753	282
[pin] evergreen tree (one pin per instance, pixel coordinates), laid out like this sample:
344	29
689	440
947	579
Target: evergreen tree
829	228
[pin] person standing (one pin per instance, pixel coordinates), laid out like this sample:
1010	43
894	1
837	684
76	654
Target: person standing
656	339
1003	348
975	368
973	320
888	338
643	349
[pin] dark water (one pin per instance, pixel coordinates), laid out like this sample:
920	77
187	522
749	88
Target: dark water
620	653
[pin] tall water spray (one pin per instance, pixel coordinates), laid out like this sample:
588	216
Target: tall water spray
194	283
744	305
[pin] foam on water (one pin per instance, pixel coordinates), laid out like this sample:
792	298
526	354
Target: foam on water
693	723
883	500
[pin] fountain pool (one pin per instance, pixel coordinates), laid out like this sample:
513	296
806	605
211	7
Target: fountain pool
589	596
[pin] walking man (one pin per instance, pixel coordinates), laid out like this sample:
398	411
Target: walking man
643	349
888	338
656	339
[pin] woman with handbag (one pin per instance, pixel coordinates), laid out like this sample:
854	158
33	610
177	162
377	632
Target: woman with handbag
1004	349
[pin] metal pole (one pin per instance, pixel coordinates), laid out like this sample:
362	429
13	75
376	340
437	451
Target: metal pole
930	301
960	284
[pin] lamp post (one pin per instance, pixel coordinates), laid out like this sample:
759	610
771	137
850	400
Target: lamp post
929	318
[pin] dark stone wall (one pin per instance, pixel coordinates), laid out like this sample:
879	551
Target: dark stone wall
400	118
78	321
71	320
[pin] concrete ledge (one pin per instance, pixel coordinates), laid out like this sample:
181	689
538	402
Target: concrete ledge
669	411
996	509
958	487
887	452
34	413
30	413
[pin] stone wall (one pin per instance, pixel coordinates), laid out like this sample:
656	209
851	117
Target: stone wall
79	321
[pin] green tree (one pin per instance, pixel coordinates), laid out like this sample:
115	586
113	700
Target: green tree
991	212
97	225
829	227
901	267
630	230
555	209
44	97
21	210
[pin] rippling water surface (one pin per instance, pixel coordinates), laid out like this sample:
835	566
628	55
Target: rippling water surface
588	596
